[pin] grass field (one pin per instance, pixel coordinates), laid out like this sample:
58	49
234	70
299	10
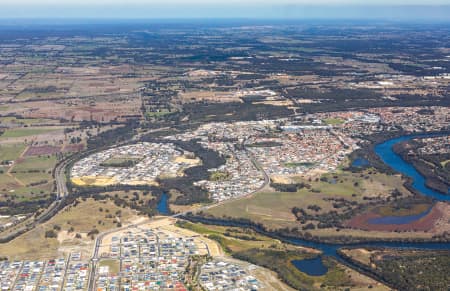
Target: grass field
278	205
274	209
33	175
333	121
41	163
235	239
219	176
159	114
11	152
121	162
23	132
28	177
7	183
359	254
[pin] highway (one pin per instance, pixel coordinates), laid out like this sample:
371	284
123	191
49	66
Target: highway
60	179
61	193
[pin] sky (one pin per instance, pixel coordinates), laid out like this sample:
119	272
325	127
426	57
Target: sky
211	2
437	10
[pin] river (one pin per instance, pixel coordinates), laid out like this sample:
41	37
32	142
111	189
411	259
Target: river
385	152
388	156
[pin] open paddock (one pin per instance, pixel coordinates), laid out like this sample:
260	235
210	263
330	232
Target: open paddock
100	109
209	96
25	132
42	150
73	148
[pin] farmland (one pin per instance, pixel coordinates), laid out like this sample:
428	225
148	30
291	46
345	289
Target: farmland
25	132
28	177
270	125
11	152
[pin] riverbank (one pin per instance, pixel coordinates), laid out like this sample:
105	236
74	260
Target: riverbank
286	234
428	165
284	258
416	181
332	250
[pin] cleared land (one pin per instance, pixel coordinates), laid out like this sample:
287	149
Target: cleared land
83	218
32	176
274	209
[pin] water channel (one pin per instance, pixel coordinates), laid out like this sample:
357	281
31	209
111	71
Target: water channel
384	150
387	155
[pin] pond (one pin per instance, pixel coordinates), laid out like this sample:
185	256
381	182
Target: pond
311	267
360	163
163	207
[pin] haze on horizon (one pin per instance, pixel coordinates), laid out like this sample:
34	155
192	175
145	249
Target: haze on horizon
438	10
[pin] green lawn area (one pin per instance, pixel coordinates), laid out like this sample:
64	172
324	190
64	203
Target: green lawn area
121	162
219	176
162	113
8	185
22	132
333	121
232	239
36	163
271	208
11	152
29	178
346	186
278	205
34	175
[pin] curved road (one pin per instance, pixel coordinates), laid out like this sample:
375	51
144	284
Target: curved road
95	255
52	209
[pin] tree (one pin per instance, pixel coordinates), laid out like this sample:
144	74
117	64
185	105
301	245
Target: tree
50	234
